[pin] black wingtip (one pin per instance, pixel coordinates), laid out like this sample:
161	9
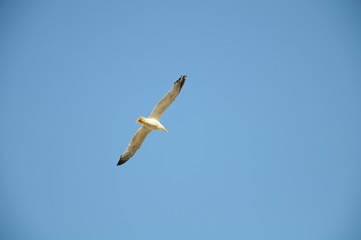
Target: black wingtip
121	161
182	79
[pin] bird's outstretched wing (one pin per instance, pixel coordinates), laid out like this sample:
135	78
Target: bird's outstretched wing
134	144
168	98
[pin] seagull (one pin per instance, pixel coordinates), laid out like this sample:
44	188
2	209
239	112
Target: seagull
152	122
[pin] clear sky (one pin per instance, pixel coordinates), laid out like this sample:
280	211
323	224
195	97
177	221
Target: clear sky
264	140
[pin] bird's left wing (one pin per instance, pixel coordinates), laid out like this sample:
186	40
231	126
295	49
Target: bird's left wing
168	98
134	144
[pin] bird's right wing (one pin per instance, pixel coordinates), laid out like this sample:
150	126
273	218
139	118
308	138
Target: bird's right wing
134	144
168	98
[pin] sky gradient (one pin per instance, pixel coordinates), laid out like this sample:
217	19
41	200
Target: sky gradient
264	140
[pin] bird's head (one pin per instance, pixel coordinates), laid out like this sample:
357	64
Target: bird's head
140	120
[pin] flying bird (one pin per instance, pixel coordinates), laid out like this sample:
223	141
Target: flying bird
152	122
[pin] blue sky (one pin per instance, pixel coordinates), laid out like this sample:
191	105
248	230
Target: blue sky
264	140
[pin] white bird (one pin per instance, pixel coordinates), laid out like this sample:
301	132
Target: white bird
152	122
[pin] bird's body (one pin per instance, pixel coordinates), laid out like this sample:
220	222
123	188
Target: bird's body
152	122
